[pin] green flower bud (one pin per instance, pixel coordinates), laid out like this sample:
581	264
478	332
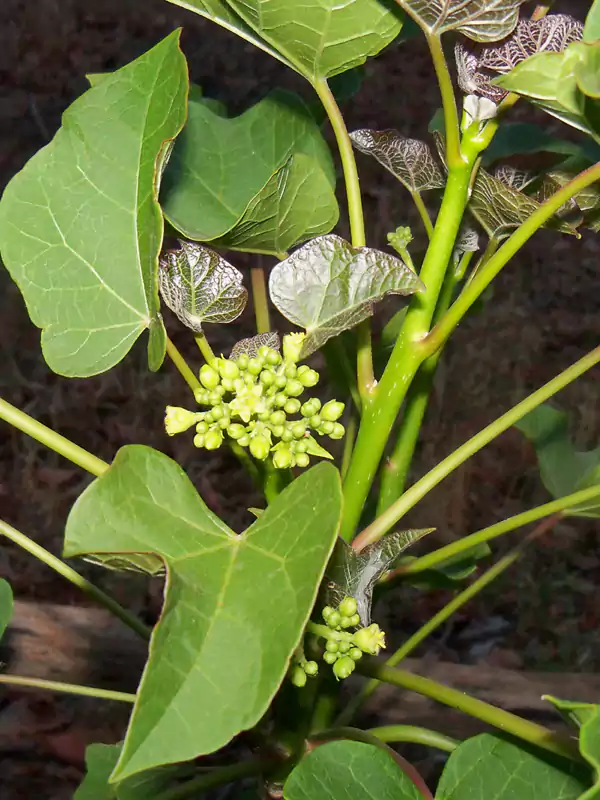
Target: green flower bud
287	435
354	620
255	366
242	361
343	668
298	677
329	658
209	377
338	431
292	406
290	371
315	421
263	351
277	431
224	422
344	647
347	622
227	385
244	440
259	447
239	385
301	446
236	431
199	440
326	428
327	612
264	416
280	400
348	607
311	668
281	381
334	619
229	369
355	653
249	380
273	358
201	397
201	427
309	378
214	398
178	420
292	347
293	388
282	459
217	412
331	646
302	460
311	407
332	410
267	378
298	430
277	417
213	440
208	417
370	640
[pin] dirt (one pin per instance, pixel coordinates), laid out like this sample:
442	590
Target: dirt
543	316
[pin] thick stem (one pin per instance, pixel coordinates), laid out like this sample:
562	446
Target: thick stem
366	379
452	130
261	300
218	777
46	436
512	246
183	367
497	717
424	214
204	347
418	490
74	577
67	688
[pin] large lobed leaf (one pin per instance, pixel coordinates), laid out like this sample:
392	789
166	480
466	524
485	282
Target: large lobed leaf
235	606
481	20
327	286
80	225
220	165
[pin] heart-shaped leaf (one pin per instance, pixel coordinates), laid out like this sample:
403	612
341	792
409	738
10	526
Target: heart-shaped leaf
205	193
477	65
347	769
563	469
352	574
481	20
409	160
200	286
486	766
297	203
6	605
325	38
80	225
499	206
327	286
235	606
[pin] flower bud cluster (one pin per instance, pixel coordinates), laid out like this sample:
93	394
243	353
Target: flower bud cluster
256	401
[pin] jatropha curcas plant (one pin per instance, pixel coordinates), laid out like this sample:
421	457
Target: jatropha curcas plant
259	629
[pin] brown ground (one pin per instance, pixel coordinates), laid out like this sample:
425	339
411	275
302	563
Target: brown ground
542	318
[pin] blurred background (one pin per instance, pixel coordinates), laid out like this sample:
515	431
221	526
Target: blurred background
541	615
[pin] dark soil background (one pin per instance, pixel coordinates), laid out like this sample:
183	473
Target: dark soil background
544	613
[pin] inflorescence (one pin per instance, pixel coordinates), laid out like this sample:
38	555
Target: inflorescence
255	401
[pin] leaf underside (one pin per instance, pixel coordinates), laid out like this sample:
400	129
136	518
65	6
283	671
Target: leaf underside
481	20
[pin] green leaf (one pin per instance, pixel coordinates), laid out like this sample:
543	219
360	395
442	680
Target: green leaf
352	574
327	286
80	225
481	20
235	606
500	207
586	718
591	31
409	160
100	761
297	203
322	38
220	164
587	71
6	605
563	469
346	769
200	286
486	767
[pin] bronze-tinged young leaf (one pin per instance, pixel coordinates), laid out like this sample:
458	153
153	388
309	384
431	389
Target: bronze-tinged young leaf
252	345
481	20
352	574
477	65
80	226
200	286
235	605
409	160
327	286
499	207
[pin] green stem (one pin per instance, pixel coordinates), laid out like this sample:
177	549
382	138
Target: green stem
497	717
424	214
391	734
183	367
327	633
489	251
261	300
273	481
68	688
46	436
366	378
512	245
217	777
452	130
204	347
349	439
74	577
418	490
